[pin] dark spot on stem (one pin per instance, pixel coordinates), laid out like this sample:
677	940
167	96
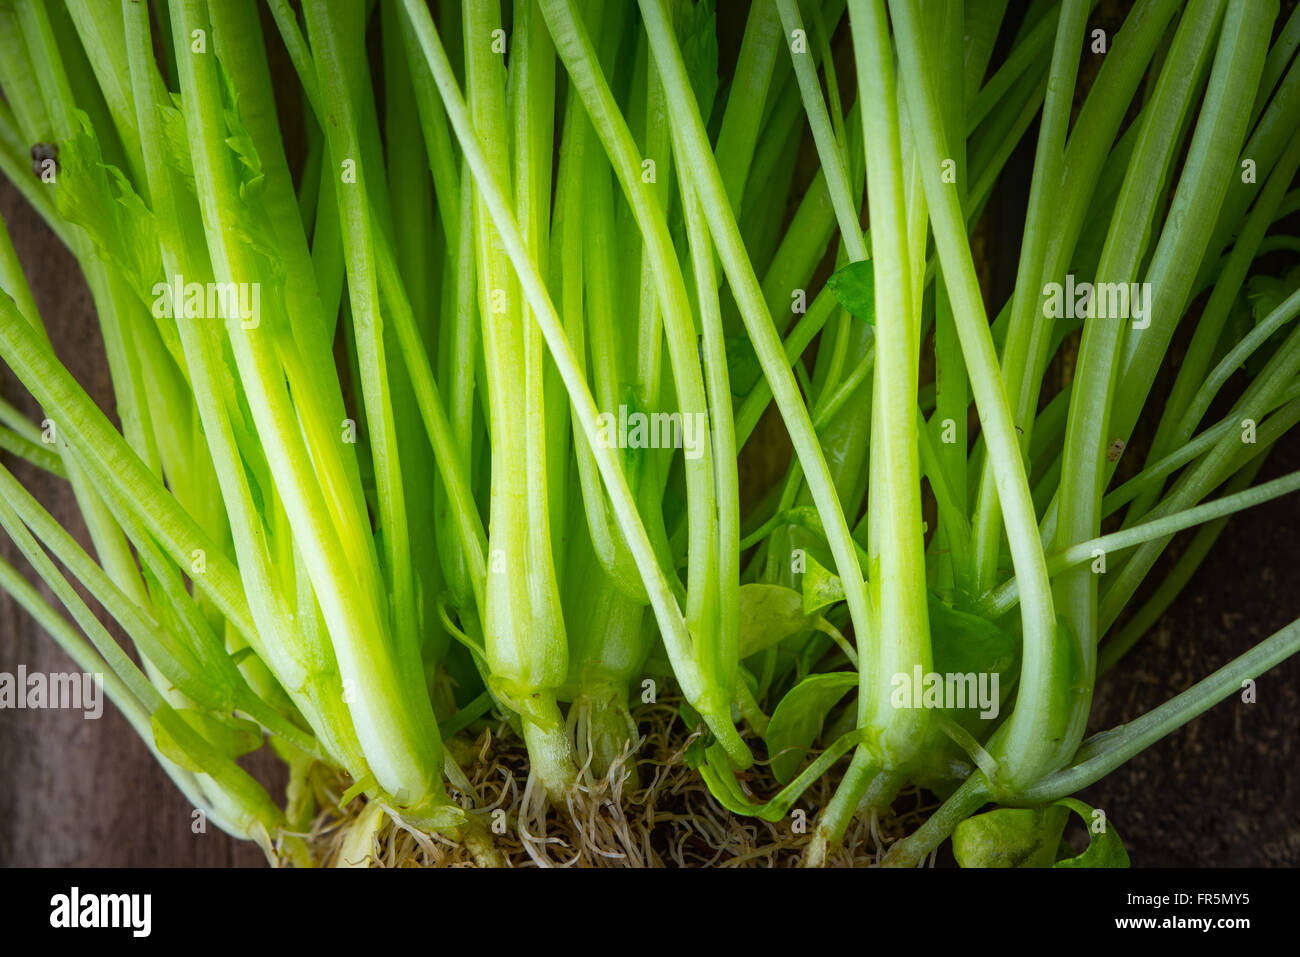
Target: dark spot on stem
43	153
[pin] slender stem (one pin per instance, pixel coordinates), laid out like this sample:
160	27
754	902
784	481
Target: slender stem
1117	644
1129	740
965	801
753	309
523	625
1027	740
576	51
1001	601
1049	159
901	639
398	736
677	639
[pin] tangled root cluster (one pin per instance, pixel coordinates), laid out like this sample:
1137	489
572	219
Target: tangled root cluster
671	820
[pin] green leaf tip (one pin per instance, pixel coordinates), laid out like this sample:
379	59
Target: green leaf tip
855	287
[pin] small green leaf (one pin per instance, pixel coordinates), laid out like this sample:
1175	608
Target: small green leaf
1265	294
440	817
820	586
798	719
695	754
768	615
366	782
696	751
99	198
249	168
1105	849
721	781
1031	837
138	233
962	642
855	287
176	144
1010	837
252	222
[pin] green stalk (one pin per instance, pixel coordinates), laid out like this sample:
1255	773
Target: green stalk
1026	747
677	639
250	797
1012	71
400	743
901	639
1286	311
1178	420
575	49
308	672
48	113
1275	65
200	668
1150	477
1092	764
1003	599
458	352
590	256
760	50
582	174
111	462
1228	453
1219	129
118	691
1049	160
1211	165
340	128
523	624
722	659
758	322
1082	165
1118	643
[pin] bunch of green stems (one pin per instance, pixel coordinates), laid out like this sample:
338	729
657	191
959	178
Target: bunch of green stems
388	494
